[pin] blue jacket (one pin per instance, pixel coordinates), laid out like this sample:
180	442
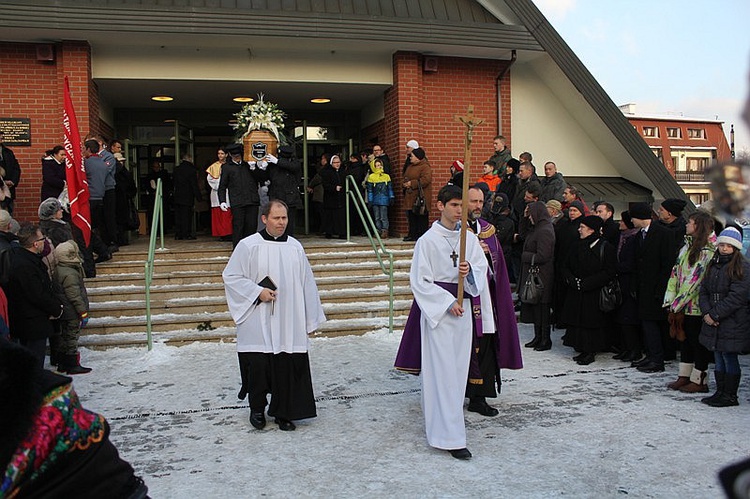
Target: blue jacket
379	193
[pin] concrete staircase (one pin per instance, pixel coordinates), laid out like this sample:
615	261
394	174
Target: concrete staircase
187	293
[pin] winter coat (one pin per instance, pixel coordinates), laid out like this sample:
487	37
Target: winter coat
552	188
185	179
627	313
53	178
331	179
508	186
57	231
418	171
125	191
96	176
585	271
9	163
726	301
499	160
611	232
684	283
31	301
491	180
655	257
539	246
71	292
379	188
518	203
285	177
243	180
316	184
678	228
504	229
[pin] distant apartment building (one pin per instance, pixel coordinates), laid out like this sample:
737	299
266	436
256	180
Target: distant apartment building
686	147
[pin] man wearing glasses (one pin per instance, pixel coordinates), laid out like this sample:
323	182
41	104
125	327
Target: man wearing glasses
378	153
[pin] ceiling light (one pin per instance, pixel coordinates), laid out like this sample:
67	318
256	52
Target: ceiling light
243	99
320	100
162	98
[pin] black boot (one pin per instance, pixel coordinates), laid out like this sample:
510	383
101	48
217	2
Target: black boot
719	377
537	338
545	343
480	405
70	364
728	397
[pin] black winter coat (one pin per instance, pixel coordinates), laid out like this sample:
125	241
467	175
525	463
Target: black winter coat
185	179
285	177
125	190
31	300
243	182
58	231
539	245
594	269
655	257
331	179
726	301
626	274
53	178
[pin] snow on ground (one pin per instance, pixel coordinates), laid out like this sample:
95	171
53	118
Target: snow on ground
603	430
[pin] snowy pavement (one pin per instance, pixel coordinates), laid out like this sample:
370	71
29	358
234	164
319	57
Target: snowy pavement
603	430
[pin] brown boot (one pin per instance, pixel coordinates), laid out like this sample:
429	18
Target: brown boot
384	234
697	383
683	376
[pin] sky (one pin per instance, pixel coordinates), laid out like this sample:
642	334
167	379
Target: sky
682	57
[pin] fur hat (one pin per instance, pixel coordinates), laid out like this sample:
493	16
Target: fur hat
578	205
593	222
730	236
413	144
674	206
458	165
641	211
48	208
418	152
554	204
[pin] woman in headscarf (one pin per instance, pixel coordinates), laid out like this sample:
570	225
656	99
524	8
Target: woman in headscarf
417	175
221	221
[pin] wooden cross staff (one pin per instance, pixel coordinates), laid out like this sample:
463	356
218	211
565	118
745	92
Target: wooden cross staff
470	122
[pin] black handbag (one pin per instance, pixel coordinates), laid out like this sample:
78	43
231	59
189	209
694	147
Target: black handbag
610	296
533	288
420	205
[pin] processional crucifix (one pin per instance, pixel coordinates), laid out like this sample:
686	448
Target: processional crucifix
469	122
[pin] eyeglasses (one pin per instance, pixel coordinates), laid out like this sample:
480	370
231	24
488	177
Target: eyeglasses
40	239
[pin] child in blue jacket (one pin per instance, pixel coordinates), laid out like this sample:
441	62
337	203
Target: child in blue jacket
379	196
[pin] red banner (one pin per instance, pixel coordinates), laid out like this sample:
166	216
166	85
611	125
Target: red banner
75	173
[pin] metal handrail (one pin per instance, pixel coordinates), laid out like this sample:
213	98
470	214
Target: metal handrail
157	222
377	243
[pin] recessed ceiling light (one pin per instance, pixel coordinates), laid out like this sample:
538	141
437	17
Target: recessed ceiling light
162	98
169	121
243	99
320	100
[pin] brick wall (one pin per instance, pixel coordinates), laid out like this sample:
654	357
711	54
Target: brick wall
424	106
33	89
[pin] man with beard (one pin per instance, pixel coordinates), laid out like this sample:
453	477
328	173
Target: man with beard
502	349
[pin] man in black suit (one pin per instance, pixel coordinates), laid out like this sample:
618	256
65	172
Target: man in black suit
655	257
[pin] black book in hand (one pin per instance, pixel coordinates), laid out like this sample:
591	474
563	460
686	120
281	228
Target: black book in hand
266	282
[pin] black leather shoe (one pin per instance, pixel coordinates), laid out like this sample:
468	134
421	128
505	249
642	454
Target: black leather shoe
483	408
460	453
533	342
621	355
258	419
586	359
632	357
285	425
543	345
639	363
578	356
651	367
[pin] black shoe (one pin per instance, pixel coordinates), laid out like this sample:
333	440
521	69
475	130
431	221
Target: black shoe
579	356
483	408
586	359
103	258
113	248
329	236
191	238
632	357
639	363
460	453
543	345
533	342
284	425
76	369
258	419
651	367
621	355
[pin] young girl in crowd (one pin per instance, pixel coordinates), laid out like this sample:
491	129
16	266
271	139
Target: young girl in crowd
379	196
724	305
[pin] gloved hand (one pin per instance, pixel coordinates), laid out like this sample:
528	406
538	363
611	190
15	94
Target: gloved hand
252	164
224	207
262	164
272	159
84	319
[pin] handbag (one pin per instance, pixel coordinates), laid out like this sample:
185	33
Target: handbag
533	288
64	198
420	206
610	296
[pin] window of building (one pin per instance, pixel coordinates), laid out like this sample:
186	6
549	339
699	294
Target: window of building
696	133
676	162
657	153
698	198
696	164
674	133
650	131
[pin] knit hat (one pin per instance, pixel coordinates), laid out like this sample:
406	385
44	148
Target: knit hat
674	206
418	152
730	236
67	252
627	220
593	222
578	205
501	201
458	165
554	204
5	219
514	163
413	144
48	208
641	211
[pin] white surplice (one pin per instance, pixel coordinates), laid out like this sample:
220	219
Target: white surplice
446	339
284	325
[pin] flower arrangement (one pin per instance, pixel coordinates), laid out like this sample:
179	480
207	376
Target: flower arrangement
260	115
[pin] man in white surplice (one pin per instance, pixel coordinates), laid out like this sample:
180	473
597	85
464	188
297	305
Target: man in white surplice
273	299
446	325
